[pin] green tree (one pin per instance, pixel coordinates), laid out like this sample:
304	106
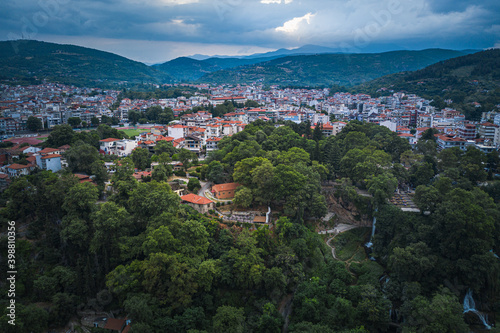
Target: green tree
74	121
141	158
134	116
442	314
34	124
164	147
81	157
413	262
243	197
215	172
94	121
229	319
427	198
194	184
185	156
61	135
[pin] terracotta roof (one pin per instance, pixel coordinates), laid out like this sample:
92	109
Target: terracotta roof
225	187
16	166
50	156
196	199
114	324
109	140
48	150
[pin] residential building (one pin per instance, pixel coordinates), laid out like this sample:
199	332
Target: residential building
448	141
212	144
225	191
50	162
16	170
201	204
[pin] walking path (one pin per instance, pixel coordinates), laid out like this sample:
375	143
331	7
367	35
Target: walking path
337	230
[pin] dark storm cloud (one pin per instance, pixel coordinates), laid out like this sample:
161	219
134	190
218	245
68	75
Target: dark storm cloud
355	24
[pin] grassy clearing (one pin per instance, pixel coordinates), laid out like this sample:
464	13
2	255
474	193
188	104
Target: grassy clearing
349	244
133	132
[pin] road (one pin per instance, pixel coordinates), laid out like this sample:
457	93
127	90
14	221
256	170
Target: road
204	187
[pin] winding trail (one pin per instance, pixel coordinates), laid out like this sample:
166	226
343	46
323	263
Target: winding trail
340	228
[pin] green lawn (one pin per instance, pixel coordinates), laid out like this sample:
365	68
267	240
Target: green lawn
349	244
133	132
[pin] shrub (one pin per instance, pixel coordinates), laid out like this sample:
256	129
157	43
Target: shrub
180	173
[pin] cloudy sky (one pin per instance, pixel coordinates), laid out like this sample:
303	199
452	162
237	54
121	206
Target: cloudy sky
154	31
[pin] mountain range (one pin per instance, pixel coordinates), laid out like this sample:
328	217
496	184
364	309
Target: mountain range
328	69
310	65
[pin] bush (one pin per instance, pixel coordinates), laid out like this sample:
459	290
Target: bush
194	184
180	173
217	204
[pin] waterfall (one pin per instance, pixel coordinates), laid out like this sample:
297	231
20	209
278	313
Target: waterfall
267	214
470	306
370	243
496	255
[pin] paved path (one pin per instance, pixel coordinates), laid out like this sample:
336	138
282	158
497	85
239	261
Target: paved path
204	187
341	227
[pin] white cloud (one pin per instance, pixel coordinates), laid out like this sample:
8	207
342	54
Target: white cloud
294	24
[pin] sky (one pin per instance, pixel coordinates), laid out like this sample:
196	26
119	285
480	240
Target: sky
154	31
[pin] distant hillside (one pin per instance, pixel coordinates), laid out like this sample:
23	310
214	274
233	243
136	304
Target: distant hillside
464	80
71	64
188	69
328	69
303	50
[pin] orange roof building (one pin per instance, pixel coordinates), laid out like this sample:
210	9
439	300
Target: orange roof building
201	204
225	191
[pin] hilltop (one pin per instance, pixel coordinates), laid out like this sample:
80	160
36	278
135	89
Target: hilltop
328	69
463	80
70	64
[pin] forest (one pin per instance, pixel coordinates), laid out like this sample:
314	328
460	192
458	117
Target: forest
136	251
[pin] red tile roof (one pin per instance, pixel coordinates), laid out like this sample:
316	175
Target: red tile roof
16	166
114	324
225	187
196	199
48	150
50	156
109	140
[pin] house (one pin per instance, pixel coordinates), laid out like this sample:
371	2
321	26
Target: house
225	191
4	180
212	144
83	178
193	143
47	151
16	170
50	162
201	204
449	141
105	145
177	131
139	175
117	325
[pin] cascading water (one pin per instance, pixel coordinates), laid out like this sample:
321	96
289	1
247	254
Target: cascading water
370	243
496	255
470	306
268	214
